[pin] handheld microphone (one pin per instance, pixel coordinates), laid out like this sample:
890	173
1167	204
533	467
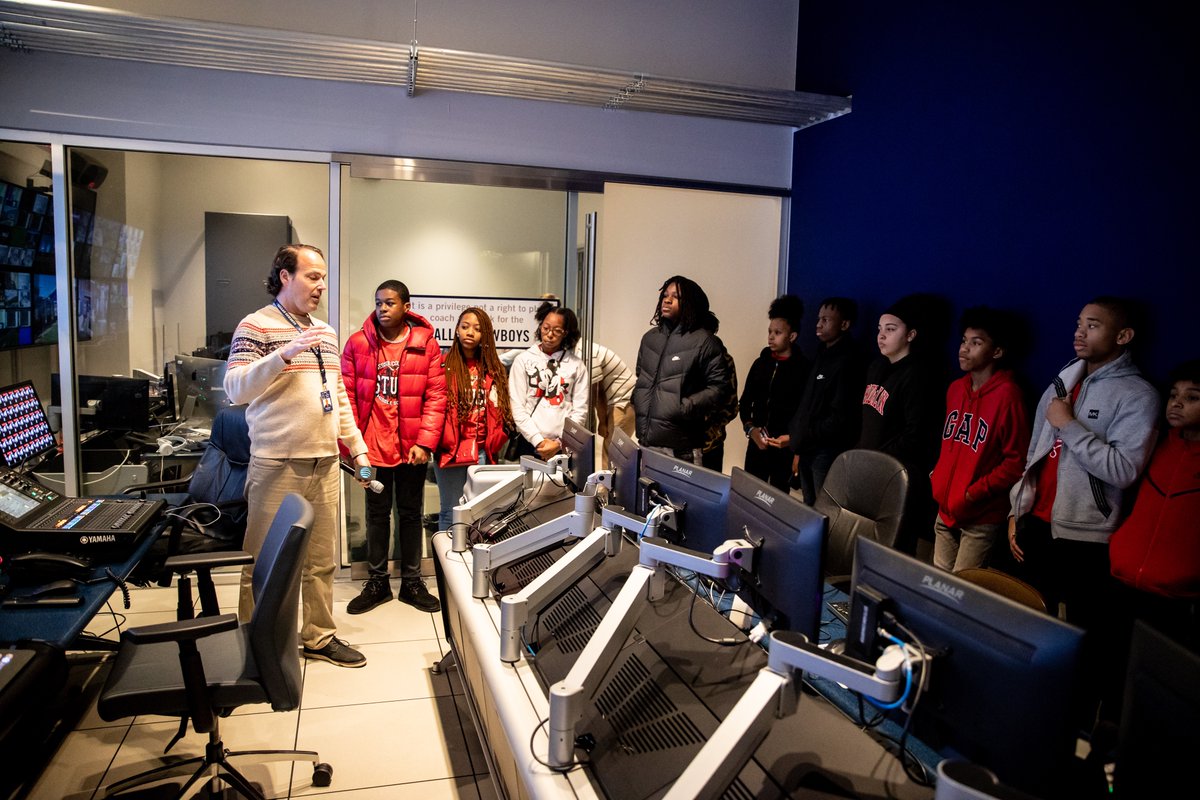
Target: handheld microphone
366	473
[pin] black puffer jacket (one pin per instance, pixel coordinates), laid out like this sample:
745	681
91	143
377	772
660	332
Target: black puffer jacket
681	380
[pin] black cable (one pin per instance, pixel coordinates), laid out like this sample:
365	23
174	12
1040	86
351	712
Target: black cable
727	642
112	576
561	770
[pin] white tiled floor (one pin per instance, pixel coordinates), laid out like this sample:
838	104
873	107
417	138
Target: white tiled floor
391	729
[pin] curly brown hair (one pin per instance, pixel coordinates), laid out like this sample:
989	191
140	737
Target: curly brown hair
458	376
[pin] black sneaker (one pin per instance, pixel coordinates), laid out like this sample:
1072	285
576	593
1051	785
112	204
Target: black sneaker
337	653
415	594
375	591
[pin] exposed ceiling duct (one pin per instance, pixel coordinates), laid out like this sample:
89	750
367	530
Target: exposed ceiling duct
31	26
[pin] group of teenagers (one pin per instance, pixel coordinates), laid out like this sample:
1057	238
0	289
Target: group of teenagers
1096	507
393	404
1092	499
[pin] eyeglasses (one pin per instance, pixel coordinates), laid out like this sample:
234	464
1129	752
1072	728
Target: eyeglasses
553	331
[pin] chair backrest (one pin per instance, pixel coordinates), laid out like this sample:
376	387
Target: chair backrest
220	477
1004	584
274	632
863	495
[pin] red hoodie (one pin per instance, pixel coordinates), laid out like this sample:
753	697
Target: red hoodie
985	436
1157	549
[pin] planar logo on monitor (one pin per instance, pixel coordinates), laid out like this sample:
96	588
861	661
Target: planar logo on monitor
759	494
98	538
942	588
681	470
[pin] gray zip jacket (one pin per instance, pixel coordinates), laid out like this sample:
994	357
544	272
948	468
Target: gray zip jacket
1105	448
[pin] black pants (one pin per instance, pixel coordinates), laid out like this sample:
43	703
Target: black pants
1078	575
405	484
773	465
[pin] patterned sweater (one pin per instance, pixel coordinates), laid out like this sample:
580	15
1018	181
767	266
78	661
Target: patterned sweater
285	416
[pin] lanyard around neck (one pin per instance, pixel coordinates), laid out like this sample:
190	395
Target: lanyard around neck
315	350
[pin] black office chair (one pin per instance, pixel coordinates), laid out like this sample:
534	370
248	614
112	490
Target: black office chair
207	510
863	495
205	668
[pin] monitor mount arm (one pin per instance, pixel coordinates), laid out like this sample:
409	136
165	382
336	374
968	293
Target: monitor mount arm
645	584
774	695
502	494
488	557
604	542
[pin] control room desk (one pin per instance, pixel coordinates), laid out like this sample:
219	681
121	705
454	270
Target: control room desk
816	752
61	625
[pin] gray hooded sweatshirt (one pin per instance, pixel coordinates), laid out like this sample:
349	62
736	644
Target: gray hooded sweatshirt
1105	448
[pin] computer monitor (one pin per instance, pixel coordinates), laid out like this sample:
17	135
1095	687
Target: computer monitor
624	456
24	429
200	386
108	402
1160	719
701	495
787	584
580	444
1000	686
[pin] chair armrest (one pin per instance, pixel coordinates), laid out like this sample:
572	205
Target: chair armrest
181	630
189	562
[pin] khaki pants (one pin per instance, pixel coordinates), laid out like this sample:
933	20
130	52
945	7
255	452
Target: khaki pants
610	419
268	481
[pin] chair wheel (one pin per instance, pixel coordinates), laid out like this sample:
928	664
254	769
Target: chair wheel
322	774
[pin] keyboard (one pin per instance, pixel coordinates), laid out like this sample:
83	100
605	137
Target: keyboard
840	609
94	515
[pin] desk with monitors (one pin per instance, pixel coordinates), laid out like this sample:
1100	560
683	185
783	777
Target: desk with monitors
677	672
671	682
663	698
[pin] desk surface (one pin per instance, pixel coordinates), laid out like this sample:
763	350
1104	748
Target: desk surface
62	625
666	680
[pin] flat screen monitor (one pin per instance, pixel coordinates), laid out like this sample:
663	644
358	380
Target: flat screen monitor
1000	687
624	456
787	585
108	402
701	495
580	444
200	386
1160	719
24	429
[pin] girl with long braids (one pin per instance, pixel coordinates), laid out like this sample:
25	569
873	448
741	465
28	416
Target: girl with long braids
477	408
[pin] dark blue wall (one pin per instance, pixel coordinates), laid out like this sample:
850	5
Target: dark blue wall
1019	154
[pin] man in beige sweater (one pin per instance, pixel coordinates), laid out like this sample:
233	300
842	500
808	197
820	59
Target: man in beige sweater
285	364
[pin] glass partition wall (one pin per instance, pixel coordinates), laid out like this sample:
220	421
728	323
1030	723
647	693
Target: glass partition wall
452	245
163	253
169	252
28	311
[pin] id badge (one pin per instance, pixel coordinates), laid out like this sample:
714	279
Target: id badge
326	401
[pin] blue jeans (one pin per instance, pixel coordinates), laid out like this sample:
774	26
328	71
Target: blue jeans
450	483
813	469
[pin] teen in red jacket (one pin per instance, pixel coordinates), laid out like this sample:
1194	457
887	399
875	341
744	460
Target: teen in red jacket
477	408
392	369
1156	551
984	438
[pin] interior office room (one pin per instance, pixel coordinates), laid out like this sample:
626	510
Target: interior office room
1024	157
